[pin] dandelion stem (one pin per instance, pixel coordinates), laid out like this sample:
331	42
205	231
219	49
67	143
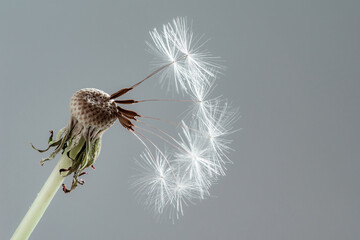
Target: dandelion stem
45	196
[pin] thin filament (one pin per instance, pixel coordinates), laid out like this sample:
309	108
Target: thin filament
125	90
157	148
159	136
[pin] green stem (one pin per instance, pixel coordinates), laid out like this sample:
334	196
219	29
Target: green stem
42	200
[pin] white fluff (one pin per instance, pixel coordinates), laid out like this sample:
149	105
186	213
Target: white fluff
175	42
198	155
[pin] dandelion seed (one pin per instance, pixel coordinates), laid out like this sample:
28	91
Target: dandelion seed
186	192
195	160
202	103
175	42
154	182
218	124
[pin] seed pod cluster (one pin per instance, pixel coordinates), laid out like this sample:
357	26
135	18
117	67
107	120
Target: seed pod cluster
93	108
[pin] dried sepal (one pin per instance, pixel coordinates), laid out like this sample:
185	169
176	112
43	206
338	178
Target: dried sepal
92	113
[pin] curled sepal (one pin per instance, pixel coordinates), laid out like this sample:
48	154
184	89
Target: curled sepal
51	144
60	143
83	156
80	144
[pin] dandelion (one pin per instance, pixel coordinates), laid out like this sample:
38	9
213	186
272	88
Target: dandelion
169	179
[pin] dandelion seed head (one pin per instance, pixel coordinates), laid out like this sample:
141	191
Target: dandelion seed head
168	180
93	108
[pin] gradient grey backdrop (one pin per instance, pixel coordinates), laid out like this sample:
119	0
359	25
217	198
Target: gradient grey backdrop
292	68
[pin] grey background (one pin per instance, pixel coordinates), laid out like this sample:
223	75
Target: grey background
292	69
